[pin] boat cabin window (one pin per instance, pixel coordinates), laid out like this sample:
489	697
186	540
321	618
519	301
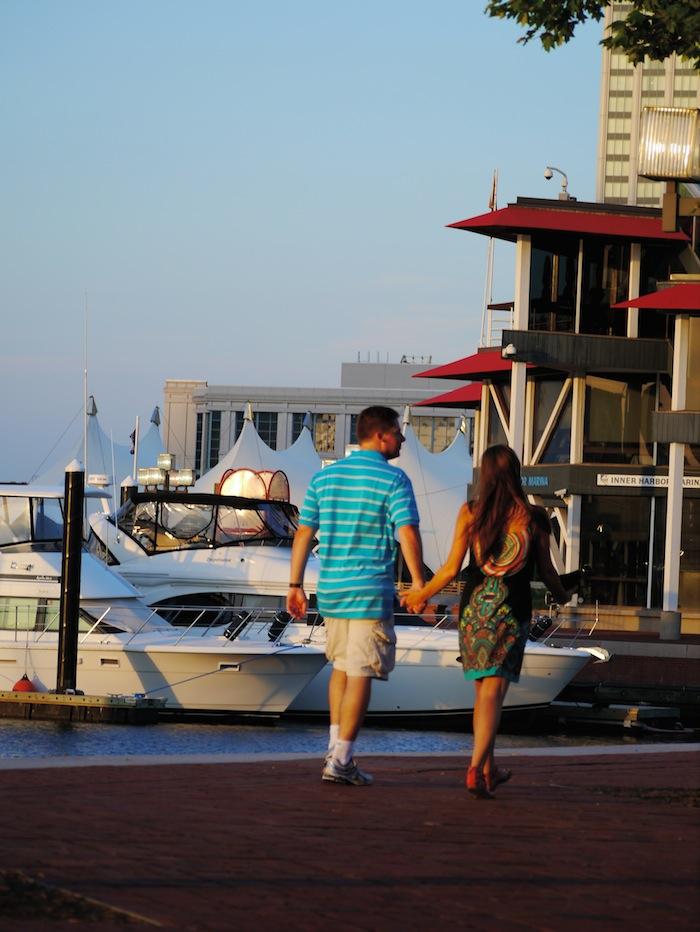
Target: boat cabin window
29	520
160	526
26	614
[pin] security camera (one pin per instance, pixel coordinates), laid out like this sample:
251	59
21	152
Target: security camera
548	173
509	351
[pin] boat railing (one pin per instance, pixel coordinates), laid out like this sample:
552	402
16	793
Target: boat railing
239	623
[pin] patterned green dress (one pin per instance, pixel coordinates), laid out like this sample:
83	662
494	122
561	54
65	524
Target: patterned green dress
496	606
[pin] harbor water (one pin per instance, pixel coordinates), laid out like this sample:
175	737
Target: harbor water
42	739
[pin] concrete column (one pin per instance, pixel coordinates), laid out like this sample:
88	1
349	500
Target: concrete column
573	533
516	423
516	431
674	501
485	414
578	416
633	289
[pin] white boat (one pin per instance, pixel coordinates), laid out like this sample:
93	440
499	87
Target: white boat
125	647
198	548
428	679
212	550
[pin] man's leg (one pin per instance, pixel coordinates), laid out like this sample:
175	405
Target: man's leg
336	691
356	696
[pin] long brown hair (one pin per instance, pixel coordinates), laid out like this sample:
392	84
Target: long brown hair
499	495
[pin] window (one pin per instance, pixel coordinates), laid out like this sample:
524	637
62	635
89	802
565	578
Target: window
615	544
553	288
198	443
496	429
353	429
657	264
237	426
689	596
324	433
435	433
213	437
266	426
605	282
297	425
558	444
618	421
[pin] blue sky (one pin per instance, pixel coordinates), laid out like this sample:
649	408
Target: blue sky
253	193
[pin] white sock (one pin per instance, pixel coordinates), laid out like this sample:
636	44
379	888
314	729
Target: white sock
343	751
332	736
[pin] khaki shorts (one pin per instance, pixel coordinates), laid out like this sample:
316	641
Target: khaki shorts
361	646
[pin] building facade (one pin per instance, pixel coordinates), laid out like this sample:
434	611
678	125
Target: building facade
202	422
584	392
625	90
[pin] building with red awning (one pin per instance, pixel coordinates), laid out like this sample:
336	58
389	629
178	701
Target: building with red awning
591	385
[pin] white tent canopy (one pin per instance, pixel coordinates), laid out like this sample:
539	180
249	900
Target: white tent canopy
151	444
298	462
113	461
439	479
440	485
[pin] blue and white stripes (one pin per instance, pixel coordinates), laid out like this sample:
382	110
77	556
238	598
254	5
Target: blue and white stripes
357	505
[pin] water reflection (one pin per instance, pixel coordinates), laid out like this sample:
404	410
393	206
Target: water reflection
68	739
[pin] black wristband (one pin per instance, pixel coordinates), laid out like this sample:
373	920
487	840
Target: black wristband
296	585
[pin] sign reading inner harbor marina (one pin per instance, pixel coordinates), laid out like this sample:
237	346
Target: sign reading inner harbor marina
656	482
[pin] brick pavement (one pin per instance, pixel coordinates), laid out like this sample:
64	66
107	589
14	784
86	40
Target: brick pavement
573	843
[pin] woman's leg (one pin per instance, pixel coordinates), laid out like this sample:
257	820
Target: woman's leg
490	693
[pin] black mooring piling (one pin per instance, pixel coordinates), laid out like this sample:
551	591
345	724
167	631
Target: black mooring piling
69	612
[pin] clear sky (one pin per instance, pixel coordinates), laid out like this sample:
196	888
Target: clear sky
252	193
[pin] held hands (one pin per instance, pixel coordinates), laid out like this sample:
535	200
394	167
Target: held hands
413	601
297	603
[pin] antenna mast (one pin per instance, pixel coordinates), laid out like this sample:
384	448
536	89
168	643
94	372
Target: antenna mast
85	395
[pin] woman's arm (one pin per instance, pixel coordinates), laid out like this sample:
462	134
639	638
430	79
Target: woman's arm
545	567
415	599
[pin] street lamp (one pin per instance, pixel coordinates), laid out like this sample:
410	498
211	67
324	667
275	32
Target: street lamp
669	150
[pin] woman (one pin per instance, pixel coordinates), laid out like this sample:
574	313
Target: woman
506	536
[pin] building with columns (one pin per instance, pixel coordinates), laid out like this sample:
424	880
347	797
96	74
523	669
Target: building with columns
202	422
595	393
625	89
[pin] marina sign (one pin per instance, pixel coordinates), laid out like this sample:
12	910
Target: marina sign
656	482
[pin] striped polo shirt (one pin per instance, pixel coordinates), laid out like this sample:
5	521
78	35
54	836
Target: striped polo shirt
357	504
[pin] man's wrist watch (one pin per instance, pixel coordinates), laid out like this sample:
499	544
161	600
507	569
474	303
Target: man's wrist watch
296	585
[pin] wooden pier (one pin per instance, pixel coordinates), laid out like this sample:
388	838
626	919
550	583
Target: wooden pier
68	707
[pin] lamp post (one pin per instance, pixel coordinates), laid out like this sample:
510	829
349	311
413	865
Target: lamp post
669	150
564	193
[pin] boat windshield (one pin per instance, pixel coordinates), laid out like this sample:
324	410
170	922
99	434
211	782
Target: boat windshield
28	520
161	525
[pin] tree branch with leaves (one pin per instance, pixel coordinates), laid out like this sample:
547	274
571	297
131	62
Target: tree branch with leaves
651	29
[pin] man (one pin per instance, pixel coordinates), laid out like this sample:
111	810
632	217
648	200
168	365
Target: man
358	505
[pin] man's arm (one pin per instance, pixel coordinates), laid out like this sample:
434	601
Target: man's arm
412	550
301	548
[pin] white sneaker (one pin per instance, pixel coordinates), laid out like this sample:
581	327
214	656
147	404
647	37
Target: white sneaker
335	772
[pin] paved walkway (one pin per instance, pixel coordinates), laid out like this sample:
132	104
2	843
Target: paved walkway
571	843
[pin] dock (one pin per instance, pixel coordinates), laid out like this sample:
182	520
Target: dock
69	707
592	840
644	670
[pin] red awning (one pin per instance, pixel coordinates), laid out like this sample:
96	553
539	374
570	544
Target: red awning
466	396
518	218
684	297
482	365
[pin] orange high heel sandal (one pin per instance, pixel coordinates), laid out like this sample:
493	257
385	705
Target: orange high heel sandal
477	785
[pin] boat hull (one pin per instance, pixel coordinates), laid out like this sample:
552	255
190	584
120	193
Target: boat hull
229	679
428	679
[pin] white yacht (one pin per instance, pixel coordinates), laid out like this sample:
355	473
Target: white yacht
125	647
209	550
201	548
428	678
